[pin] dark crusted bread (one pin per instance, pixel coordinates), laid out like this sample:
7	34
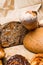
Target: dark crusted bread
17	60
12	34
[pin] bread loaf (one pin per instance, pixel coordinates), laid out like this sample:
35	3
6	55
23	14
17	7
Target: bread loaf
12	34
33	41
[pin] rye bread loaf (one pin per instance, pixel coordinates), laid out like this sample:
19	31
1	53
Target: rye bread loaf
12	34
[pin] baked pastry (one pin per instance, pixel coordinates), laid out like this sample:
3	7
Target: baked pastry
33	41
12	34
29	19
37	60
2	53
17	60
1	62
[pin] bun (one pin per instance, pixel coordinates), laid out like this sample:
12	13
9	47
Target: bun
2	53
17	60
37	60
29	20
33	41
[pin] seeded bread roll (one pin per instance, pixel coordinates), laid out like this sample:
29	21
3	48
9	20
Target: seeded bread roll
17	60
33	41
12	34
37	60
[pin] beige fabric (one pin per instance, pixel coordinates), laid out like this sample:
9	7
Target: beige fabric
21	50
23	3
14	14
5	6
20	3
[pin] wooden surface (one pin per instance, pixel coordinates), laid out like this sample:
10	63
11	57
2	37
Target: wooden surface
24	3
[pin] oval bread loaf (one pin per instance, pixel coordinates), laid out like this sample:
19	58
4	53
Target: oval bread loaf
33	41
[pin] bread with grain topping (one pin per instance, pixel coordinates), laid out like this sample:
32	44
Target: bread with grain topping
12	34
17	60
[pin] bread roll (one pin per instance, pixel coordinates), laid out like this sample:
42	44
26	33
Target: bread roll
17	60
33	41
29	20
12	34
1	62
37	60
2	53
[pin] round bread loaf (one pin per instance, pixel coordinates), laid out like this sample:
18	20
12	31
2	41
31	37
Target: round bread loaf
37	60
17	60
33	41
12	34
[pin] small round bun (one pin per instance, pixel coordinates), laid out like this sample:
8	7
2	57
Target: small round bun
29	20
33	41
37	60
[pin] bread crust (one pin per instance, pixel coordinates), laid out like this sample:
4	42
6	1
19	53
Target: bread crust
12	34
33	41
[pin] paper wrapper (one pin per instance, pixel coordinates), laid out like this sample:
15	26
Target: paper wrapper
21	50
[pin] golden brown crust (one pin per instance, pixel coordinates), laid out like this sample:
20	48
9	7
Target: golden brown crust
33	41
29	20
37	60
30	26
